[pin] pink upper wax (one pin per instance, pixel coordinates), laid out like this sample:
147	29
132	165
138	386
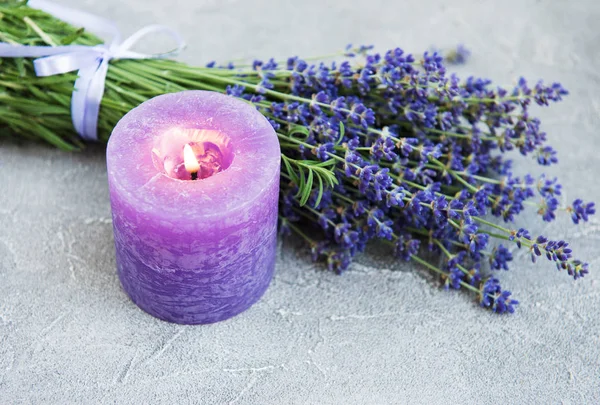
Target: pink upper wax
194	251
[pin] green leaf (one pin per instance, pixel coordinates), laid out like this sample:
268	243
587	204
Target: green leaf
43	35
289	169
302	181
39	94
308	189
320	194
69	39
342	132
299	129
330	162
309	176
20	67
54	139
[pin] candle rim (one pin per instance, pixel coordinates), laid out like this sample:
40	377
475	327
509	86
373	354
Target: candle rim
255	146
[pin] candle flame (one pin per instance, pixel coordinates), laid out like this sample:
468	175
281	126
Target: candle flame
189	159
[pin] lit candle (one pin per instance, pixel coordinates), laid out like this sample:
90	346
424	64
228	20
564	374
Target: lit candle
194	182
190	161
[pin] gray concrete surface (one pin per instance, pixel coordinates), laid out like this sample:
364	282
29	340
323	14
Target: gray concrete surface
382	333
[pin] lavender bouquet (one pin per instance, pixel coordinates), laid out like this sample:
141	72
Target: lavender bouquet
386	147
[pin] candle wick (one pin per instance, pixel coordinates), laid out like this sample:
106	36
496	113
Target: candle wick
194	175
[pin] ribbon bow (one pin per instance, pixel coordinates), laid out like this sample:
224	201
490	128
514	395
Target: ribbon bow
91	62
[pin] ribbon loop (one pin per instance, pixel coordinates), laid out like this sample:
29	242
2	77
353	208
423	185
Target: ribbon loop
124	49
91	62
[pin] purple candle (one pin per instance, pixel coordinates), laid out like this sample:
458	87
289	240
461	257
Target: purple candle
194	183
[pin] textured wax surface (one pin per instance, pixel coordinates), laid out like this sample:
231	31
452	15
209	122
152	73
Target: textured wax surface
382	333
134	176
194	251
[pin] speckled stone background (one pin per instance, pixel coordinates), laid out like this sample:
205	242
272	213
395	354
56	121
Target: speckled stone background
382	333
